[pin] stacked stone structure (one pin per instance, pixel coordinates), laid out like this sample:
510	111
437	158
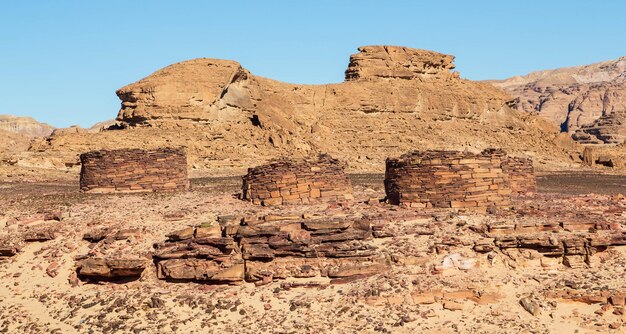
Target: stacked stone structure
520	175
297	182
448	179
130	170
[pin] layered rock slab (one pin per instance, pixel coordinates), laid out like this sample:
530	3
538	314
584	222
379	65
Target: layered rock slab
270	250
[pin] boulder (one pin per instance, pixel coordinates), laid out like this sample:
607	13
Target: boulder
105	268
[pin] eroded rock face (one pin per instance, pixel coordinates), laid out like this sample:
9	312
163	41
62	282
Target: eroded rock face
201	89
182	90
610	128
588	101
12	143
398	62
394	99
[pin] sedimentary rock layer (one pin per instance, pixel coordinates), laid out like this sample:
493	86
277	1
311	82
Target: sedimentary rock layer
587	101
127	170
26	126
274	248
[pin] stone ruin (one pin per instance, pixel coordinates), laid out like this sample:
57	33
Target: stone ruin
452	179
134	170
297	182
520	174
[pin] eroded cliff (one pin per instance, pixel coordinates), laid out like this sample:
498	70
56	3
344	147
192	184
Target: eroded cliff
588	101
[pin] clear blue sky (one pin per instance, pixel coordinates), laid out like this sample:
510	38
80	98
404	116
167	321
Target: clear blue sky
61	61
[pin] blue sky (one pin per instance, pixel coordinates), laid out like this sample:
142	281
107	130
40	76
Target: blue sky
61	61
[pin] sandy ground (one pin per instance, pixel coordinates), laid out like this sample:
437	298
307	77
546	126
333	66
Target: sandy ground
421	293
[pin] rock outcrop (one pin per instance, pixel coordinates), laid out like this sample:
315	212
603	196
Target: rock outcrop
610	128
105	268
273	248
398	62
12	143
394	99
586	101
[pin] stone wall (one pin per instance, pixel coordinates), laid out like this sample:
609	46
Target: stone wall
297	182
520	175
130	170
448	179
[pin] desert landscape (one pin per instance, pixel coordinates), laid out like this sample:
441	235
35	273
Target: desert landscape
405	199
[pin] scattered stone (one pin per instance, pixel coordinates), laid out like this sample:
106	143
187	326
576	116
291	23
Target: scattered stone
530	306
453	306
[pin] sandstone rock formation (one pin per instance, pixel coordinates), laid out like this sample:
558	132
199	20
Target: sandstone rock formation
272	248
16	134
608	156
587	101
25	125
110	268
394	99
398	62
12	143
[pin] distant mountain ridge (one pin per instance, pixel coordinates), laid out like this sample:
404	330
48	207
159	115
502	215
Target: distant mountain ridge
589	101
26	126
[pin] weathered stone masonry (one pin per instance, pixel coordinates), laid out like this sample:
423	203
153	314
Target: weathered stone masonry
129	170
520	175
296	182
450	179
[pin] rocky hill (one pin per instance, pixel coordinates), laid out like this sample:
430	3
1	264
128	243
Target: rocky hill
394	99
27	126
588	102
12	143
